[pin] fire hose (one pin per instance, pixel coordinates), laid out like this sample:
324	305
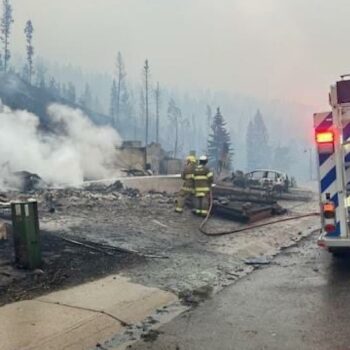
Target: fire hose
248	227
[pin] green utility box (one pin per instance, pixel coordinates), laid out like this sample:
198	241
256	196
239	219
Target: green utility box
25	223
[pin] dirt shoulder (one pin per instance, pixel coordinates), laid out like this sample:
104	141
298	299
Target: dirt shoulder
64	265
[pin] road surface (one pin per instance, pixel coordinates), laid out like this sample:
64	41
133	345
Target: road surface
300	301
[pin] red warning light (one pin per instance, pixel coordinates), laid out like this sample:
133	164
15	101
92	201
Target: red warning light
329	228
324	137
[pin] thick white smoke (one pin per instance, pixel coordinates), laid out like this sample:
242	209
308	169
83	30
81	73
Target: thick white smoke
77	151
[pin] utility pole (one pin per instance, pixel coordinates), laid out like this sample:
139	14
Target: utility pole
309	152
209	118
146	72
120	84
157	112
310	163
135	127
176	133
194	130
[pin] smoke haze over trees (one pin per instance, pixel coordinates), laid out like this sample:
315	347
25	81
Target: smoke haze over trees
184	116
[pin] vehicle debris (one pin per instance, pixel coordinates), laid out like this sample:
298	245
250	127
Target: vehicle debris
24	181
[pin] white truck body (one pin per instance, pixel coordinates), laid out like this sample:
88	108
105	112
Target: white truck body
332	133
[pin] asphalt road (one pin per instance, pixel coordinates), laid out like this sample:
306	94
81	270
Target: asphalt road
300	301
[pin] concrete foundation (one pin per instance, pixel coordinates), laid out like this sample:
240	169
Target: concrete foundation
169	184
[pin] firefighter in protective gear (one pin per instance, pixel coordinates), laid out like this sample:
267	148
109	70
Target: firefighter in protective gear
187	189
203	180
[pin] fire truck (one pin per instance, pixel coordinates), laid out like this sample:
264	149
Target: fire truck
332	135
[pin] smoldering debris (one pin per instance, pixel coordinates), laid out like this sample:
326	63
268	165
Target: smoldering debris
53	199
79	149
101	187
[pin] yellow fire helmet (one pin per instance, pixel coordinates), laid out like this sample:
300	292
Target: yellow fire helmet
191	159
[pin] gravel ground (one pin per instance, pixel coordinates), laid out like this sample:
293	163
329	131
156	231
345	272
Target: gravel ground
169	251
147	224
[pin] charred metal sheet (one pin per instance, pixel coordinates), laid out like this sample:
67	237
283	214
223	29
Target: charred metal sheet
262	194
246	210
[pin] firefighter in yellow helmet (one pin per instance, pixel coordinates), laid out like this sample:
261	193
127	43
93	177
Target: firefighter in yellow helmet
187	189
203	180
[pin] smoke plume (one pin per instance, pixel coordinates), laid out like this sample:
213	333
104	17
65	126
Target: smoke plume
78	150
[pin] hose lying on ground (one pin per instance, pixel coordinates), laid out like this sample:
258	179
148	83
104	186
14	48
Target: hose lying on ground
248	227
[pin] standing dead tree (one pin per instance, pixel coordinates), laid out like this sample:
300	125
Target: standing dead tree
113	103
28	31
120	86
5	28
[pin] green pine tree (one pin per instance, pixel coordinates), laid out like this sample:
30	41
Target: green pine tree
258	149
220	151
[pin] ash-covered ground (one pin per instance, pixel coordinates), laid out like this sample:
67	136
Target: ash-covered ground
141	237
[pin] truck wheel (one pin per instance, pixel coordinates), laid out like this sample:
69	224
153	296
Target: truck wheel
339	253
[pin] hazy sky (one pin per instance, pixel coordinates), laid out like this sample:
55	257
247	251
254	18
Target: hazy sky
286	49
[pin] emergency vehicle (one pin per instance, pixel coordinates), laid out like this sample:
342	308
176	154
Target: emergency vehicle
332	135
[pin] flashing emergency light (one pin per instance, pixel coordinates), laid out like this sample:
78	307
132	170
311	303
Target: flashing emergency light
329	210
324	137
